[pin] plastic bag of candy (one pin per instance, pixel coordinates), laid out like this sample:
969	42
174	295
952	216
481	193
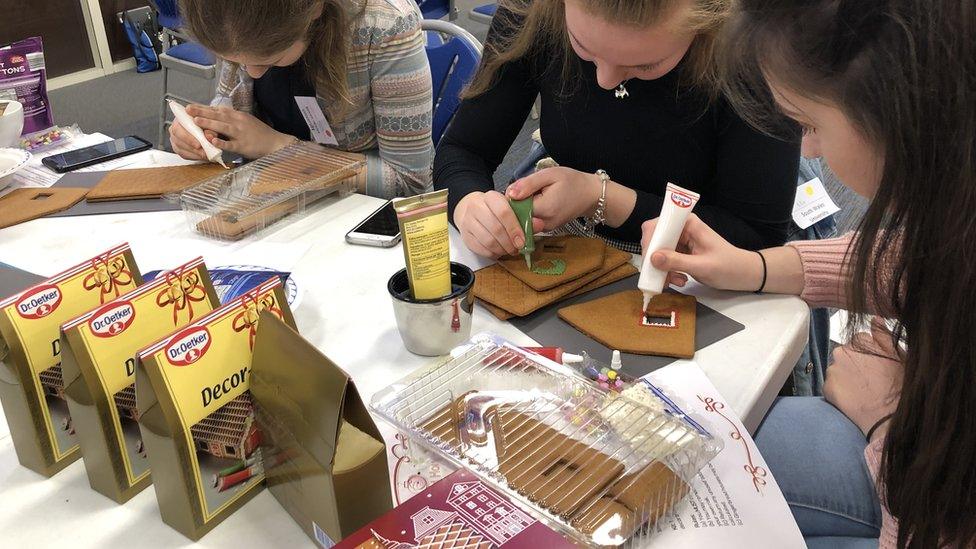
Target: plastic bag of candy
23	78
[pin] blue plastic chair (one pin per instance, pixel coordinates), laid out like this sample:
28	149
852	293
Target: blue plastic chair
437	9
484	13
452	64
170	21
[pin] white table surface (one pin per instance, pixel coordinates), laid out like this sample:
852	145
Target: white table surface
345	311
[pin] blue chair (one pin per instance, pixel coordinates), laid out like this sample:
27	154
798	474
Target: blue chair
186	56
452	64
434	39
170	22
437	9
484	13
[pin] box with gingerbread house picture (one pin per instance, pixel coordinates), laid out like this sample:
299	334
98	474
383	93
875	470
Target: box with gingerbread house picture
460	510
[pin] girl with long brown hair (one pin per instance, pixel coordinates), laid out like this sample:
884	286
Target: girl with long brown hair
628	103
359	65
886	90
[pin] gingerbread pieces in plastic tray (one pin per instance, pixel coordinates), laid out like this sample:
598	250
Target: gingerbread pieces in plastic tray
599	467
242	201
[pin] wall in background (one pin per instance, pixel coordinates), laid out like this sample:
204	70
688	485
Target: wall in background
117	41
59	23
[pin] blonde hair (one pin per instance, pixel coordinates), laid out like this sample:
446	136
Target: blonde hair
544	26
268	27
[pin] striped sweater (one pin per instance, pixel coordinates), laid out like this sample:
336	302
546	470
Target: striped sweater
390	89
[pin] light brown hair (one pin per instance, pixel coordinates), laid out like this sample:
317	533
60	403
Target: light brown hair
266	27
544	26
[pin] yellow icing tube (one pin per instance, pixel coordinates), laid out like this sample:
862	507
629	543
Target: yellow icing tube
426	243
678	203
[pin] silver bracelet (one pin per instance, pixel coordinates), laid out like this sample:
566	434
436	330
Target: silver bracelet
600	214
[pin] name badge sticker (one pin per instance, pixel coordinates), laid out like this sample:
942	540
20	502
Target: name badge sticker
317	124
812	203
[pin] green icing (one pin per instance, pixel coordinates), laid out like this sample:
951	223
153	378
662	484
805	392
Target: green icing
552	267
523	211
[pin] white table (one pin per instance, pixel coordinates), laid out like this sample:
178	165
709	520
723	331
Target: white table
345	311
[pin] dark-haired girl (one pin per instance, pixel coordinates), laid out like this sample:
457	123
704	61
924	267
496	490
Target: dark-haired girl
886	90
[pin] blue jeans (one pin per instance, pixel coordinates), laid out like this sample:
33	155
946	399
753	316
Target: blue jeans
816	455
808	374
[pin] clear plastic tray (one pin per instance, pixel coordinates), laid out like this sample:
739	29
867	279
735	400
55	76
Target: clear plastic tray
247	199
596	466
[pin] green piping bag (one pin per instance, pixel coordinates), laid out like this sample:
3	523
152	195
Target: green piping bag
523	211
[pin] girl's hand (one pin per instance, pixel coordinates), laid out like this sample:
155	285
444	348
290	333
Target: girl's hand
488	224
561	194
185	144
865	379
707	257
240	132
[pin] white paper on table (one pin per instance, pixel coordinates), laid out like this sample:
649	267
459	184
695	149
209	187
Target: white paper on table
413	468
735	501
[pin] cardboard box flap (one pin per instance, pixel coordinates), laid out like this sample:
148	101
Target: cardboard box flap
318	398
356	449
355	412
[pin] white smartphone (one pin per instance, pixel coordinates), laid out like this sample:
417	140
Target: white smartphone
380	229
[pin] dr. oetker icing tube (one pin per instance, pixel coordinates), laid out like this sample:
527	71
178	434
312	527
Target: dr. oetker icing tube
185	120
678	203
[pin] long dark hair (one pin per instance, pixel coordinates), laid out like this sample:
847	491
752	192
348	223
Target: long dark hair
904	73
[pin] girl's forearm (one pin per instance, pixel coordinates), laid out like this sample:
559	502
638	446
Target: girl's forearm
620	204
784	271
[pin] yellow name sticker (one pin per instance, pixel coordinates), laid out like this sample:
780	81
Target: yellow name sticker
36	316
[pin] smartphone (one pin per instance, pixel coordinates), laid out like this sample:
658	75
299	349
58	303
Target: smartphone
379	229
103	152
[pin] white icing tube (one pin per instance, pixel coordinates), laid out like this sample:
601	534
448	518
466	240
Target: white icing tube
678	203
185	120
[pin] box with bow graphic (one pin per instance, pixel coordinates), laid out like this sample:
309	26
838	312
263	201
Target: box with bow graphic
98	351
32	386
196	413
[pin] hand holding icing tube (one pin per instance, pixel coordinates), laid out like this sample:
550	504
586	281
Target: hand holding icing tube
185	120
523	211
678	203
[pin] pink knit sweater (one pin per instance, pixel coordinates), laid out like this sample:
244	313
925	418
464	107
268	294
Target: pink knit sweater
825	274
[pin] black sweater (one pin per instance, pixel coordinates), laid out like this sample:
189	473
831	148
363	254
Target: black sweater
662	133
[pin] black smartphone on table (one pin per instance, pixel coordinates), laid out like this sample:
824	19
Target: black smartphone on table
379	229
103	152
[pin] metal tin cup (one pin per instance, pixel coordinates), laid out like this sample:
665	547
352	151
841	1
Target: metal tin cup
432	327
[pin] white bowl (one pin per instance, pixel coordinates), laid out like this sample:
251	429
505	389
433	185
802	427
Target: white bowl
11	160
11	123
